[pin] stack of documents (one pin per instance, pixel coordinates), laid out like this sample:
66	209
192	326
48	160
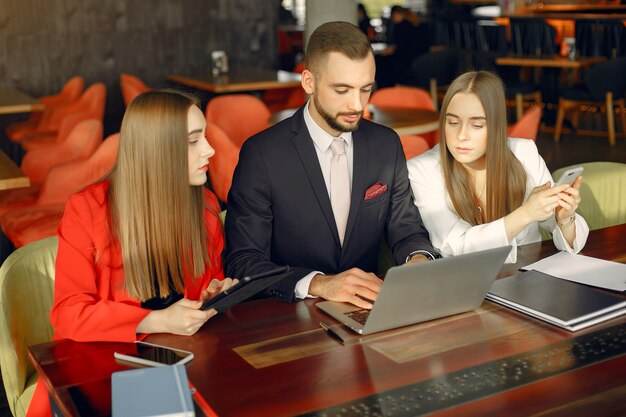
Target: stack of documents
552	290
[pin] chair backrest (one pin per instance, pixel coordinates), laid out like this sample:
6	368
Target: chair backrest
64	180
238	115
413	145
602	193
603	77
26	290
528	126
402	97
80	143
443	66
70	92
222	164
532	37
296	98
91	102
131	87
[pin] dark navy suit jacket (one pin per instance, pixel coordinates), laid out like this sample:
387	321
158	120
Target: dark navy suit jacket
279	211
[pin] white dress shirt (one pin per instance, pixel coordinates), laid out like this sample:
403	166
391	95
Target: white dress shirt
322	141
452	235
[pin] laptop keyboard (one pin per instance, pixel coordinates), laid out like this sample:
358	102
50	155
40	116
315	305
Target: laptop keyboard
360	316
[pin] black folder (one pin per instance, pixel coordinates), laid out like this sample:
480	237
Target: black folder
566	304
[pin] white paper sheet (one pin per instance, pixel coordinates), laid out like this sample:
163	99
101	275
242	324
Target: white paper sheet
583	269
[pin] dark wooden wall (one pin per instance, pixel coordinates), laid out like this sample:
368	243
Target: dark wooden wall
44	42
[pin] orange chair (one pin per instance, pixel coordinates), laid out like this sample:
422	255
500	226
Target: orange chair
89	106
37	221
222	164
50	140
413	145
408	98
528	126
238	115
70	92
131	87
79	144
29	225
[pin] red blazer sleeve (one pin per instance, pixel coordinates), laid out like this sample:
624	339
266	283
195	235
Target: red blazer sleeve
80	311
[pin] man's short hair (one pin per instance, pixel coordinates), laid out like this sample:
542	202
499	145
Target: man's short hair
342	37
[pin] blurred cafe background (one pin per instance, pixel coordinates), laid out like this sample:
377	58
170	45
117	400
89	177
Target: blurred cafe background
69	68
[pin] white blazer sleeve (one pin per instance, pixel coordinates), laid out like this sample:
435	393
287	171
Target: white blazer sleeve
526	151
448	232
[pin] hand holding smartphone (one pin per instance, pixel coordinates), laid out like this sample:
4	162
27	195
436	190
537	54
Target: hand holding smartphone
150	354
570	176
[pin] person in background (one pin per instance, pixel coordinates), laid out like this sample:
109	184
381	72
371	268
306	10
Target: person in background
141	250
395	60
319	189
479	189
364	22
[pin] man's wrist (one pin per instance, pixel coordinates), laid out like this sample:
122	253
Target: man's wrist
431	256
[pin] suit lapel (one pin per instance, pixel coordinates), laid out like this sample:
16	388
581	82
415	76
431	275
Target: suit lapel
306	150
359	171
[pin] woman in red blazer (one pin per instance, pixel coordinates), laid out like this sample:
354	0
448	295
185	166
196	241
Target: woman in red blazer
132	257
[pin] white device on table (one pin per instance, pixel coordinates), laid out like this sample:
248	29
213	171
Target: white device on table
155	355
570	176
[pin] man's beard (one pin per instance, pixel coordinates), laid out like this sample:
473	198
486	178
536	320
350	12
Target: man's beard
332	120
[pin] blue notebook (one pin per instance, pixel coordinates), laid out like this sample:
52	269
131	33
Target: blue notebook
158	391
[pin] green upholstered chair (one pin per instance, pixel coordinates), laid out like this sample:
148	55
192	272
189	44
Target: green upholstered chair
26	288
603	193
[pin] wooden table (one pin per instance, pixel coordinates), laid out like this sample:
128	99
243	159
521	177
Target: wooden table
267	358
403	121
573	66
238	81
554	62
10	174
15	101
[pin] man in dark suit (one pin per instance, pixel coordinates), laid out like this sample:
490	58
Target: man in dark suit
318	190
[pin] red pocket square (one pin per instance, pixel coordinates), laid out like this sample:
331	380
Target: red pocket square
375	190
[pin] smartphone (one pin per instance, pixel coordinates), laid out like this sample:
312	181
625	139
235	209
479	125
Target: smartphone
570	176
149	354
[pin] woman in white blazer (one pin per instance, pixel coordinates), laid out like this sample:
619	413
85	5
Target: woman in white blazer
479	189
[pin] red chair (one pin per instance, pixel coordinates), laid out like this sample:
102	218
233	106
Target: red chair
70	92
528	126
285	98
67	179
406	98
222	164
89	106
29	223
131	87
238	115
79	144
50	140
413	145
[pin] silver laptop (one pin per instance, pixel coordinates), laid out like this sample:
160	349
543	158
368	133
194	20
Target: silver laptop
414	293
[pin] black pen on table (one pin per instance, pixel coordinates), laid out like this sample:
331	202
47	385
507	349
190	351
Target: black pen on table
331	332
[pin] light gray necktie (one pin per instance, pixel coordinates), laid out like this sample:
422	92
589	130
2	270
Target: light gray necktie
339	185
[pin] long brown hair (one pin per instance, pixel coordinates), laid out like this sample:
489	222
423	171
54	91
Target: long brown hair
505	175
156	215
